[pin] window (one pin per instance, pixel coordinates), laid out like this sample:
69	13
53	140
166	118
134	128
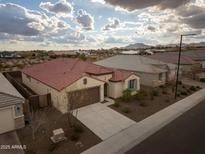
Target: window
18	110
131	84
84	81
160	76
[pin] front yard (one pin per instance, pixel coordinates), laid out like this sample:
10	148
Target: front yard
151	100
79	138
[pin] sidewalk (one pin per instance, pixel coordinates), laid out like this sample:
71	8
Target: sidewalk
130	137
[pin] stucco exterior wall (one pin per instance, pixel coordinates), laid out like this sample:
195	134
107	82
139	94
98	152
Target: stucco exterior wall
42	89
148	78
115	89
59	98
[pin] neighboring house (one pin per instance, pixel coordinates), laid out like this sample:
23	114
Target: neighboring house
74	83
9	55
11	109
187	64
151	72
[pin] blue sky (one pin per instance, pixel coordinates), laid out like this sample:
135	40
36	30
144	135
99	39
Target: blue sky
87	24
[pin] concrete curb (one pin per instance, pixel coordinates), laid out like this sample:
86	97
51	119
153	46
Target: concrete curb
133	135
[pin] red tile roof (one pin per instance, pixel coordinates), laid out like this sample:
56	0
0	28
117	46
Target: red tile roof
60	73
120	75
172	58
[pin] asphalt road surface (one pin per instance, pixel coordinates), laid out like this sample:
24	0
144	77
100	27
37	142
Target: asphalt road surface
185	135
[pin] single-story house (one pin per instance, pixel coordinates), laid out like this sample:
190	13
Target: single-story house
11	109
151	72
74	83
187	64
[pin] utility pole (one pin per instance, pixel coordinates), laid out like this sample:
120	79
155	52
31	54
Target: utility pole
179	62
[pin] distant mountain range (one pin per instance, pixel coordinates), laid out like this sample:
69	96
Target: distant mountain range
144	46
137	46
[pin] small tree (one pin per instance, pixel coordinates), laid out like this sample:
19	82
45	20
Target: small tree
126	95
141	95
83	57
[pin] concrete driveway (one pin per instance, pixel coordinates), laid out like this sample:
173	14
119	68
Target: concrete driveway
102	120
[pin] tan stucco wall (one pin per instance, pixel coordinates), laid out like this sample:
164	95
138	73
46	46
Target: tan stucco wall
116	89
59	99
147	79
42	89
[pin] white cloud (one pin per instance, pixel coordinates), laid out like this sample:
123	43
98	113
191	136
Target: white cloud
61	8
139	4
23	25
113	24
98	1
85	20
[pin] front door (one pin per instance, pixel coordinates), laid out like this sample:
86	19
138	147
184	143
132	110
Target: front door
105	89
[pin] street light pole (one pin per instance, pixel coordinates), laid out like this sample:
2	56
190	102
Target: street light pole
178	65
179	62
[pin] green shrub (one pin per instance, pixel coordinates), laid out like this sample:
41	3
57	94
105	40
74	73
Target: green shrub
126	110
198	87
116	104
78	128
126	95
178	95
184	93
192	88
83	57
180	82
155	93
162	86
141	95
202	79
183	87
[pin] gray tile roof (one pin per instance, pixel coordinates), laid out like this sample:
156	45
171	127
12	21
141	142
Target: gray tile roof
7	100
8	94
135	63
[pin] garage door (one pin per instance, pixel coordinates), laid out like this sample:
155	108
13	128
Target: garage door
6	120
84	97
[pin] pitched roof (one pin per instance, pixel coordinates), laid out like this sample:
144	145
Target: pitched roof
131	62
120	75
60	73
8	94
7	88
173	58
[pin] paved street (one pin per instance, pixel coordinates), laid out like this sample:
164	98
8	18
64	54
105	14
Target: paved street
185	135
102	120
